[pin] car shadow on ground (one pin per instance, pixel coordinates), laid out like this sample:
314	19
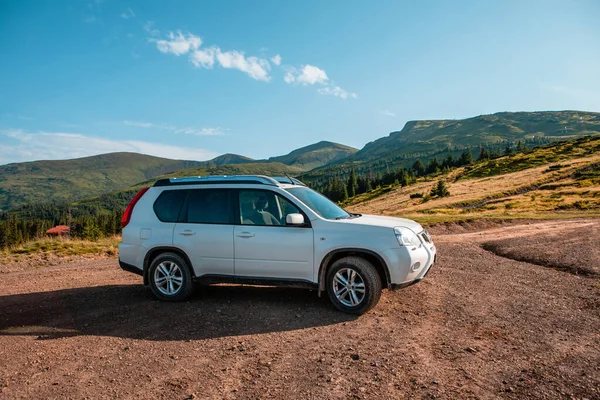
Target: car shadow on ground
130	311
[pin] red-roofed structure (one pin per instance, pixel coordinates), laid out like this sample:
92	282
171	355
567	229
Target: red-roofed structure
59	230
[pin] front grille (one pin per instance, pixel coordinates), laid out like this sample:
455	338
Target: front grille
425	236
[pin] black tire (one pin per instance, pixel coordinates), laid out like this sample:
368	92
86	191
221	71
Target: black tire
183	272
369	276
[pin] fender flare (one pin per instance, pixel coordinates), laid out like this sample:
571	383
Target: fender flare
165	249
351	251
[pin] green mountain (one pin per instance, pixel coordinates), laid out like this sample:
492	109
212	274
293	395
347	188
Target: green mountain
436	138
65	180
227	158
315	155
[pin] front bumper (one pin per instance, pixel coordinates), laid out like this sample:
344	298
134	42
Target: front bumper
407	265
396	286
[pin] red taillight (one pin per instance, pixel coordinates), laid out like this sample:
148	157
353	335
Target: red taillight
129	210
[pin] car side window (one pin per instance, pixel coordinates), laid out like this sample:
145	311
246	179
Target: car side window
210	206
168	205
263	207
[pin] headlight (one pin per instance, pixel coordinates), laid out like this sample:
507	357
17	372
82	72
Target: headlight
406	237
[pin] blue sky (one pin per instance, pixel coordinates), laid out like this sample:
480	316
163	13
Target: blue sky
194	79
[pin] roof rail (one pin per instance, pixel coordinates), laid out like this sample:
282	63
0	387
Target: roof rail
216	179
289	180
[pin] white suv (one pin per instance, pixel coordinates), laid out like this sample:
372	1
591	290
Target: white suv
267	231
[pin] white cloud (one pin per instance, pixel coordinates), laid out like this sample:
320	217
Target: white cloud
179	43
289	77
387	113
307	75
148	27
58	145
311	75
204	58
128	14
140	124
337	92
276	59
257	68
206	131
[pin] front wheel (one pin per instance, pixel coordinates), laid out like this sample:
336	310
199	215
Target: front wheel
170	278
353	285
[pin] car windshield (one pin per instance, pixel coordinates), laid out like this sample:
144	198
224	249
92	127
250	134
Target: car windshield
319	203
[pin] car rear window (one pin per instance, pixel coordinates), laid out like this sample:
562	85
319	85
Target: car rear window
210	206
168	205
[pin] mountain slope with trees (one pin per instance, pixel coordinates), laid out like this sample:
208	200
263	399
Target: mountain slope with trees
65	180
315	155
429	139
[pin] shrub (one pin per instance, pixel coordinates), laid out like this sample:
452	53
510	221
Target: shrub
440	190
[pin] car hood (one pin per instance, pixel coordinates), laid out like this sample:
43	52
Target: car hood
377	220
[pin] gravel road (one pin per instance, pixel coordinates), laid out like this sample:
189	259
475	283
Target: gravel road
480	326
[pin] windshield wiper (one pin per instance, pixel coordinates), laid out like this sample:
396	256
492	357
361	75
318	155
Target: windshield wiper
343	217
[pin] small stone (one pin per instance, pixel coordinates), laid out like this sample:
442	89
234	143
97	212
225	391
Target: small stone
355	357
509	389
471	350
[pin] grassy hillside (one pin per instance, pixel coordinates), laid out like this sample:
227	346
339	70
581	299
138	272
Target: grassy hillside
555	181
429	138
227	158
65	180
315	155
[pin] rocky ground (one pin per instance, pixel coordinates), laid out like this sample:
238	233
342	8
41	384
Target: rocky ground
480	326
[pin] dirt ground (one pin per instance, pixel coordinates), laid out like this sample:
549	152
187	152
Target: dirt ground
479	326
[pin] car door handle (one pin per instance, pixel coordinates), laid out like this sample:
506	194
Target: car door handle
245	235
187	233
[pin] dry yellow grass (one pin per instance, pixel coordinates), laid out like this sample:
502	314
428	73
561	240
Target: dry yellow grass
530	193
63	246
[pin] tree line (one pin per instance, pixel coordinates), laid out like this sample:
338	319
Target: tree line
16	230
340	190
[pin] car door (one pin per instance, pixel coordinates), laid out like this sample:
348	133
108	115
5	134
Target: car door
206	231
264	245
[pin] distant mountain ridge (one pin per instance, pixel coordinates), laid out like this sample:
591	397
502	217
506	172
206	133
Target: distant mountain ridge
69	180
435	138
227	158
434	135
65	180
315	155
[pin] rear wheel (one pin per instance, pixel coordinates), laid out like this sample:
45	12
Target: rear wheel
170	278
353	285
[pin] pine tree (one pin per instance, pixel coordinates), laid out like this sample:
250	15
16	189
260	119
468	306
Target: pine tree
433	167
352	184
449	162
418	168
440	190
466	158
507	150
483	154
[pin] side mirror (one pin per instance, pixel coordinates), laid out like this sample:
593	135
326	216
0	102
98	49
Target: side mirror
294	219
